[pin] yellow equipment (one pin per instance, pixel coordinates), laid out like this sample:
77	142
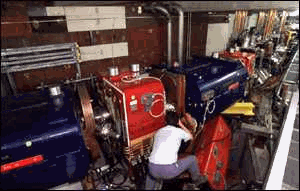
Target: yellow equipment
240	108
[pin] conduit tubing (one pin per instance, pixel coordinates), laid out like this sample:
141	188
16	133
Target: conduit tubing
180	34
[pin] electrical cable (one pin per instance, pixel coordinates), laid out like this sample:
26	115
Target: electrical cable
214	106
155	94
159	115
135	79
209	111
107	178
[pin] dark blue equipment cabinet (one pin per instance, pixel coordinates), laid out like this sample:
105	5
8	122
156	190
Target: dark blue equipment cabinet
208	79
33	126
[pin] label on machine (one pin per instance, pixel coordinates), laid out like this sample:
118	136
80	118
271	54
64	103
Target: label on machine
21	163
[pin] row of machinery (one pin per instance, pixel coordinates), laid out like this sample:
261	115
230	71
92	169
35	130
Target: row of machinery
53	135
58	133
62	128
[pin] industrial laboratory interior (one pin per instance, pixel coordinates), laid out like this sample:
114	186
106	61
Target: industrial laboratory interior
86	88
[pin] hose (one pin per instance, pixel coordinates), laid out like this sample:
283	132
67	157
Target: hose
135	79
155	94
163	111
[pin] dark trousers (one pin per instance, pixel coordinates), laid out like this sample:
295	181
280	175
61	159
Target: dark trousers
160	172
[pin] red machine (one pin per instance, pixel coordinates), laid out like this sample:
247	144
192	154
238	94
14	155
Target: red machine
212	151
248	59
137	103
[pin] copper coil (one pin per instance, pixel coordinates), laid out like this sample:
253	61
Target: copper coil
137	150
261	21
132	154
140	148
238	21
243	13
235	21
89	123
270	23
241	21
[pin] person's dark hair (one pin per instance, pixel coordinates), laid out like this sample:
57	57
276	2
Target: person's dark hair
172	118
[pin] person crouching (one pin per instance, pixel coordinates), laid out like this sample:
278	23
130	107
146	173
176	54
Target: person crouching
163	161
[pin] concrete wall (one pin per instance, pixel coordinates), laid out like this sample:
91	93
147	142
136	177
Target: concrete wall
218	35
252	20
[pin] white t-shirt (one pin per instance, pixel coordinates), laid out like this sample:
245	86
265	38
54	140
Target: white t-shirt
166	144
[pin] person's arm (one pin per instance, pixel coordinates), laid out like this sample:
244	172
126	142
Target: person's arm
185	129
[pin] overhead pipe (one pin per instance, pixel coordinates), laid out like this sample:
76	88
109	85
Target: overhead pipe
162	9
180	34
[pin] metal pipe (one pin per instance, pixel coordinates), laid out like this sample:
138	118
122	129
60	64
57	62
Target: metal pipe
82	19
180	34
188	41
92	38
262	55
20	62
187	38
77	62
169	30
7	52
39	66
39	55
69	82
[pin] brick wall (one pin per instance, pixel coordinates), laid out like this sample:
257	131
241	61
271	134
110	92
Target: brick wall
146	39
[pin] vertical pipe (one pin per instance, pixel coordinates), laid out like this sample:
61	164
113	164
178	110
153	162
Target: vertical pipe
190	33
284	15
169	43
282	22
187	38
180	34
78	74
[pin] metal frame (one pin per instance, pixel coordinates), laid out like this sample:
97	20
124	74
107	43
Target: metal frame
38	57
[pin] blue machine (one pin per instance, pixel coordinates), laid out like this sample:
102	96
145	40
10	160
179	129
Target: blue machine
208	78
38	124
216	82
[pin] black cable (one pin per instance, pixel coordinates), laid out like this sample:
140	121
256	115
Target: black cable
117	159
